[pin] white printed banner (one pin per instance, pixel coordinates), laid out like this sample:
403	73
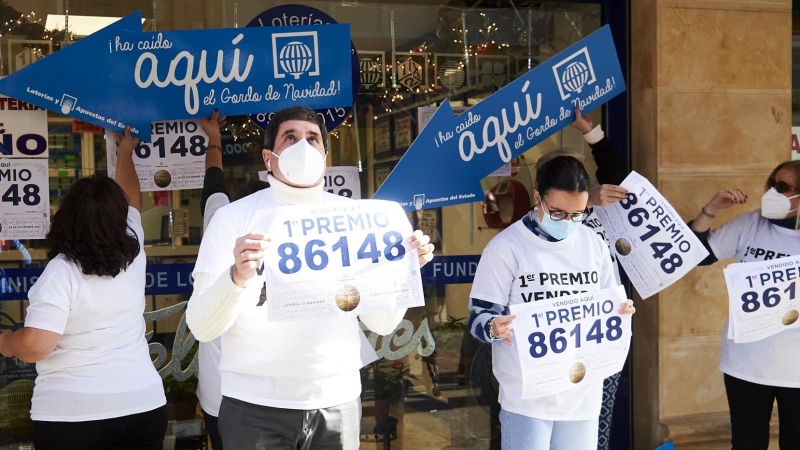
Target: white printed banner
23	129
571	341
175	160
762	298
654	245
25	199
340	259
339	180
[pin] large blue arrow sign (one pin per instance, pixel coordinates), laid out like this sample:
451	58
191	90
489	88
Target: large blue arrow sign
451	155
121	76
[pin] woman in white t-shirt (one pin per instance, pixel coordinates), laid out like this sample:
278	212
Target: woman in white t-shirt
759	373
550	239
96	386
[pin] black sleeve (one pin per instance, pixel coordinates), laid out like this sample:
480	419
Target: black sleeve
610	167
711	258
213	183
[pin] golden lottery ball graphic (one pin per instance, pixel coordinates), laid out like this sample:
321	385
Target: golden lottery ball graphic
162	178
577	372
790	317
623	247
347	298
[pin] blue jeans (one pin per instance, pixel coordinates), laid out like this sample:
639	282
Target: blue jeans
526	433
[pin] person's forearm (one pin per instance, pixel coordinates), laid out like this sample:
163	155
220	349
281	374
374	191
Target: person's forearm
214	152
216	303
704	219
28	344
127	179
383	323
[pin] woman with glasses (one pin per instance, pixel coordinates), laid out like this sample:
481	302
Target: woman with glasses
758	373
550	239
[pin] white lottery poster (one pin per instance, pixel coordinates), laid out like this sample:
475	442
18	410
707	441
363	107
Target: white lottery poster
340	259
654	245
23	129
571	341
25	199
762	298
175	159
339	180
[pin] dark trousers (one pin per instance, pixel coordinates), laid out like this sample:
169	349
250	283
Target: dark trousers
751	408
143	431
247	426
212	427
610	385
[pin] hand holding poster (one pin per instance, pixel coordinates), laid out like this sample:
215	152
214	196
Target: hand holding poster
174	160
25	199
649	238
569	341
340	259
762	298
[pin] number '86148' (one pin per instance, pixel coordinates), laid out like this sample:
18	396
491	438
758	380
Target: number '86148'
315	254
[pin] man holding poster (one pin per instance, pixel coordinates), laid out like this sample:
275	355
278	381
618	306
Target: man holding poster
549	257
759	372
289	383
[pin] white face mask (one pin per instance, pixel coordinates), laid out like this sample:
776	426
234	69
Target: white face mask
301	164
775	205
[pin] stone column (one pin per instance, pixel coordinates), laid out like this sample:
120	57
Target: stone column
711	108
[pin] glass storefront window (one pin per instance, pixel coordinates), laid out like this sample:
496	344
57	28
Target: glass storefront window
413	55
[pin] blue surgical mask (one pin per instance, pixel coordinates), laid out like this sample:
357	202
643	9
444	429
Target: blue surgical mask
559	229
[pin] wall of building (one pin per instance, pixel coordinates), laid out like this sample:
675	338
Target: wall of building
710	107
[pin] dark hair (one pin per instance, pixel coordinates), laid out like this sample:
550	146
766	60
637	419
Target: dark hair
293	113
91	228
564	173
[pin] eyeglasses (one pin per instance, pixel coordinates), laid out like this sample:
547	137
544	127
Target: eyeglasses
782	187
557	214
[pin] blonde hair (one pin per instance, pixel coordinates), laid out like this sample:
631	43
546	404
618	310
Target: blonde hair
795	167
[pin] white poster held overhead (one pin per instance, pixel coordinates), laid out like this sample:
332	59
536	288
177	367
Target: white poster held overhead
424	114
23	129
339	259
175	159
762	298
25	199
654	245
340	180
571	341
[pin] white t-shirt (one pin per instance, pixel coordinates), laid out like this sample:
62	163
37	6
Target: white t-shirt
304	365
516	252
101	366
774	361
210	353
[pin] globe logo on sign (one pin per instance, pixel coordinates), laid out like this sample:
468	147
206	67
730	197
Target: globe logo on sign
370	72
574	73
296	58
575	77
295	54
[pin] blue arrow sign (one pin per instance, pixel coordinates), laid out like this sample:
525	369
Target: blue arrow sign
451	155
121	76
